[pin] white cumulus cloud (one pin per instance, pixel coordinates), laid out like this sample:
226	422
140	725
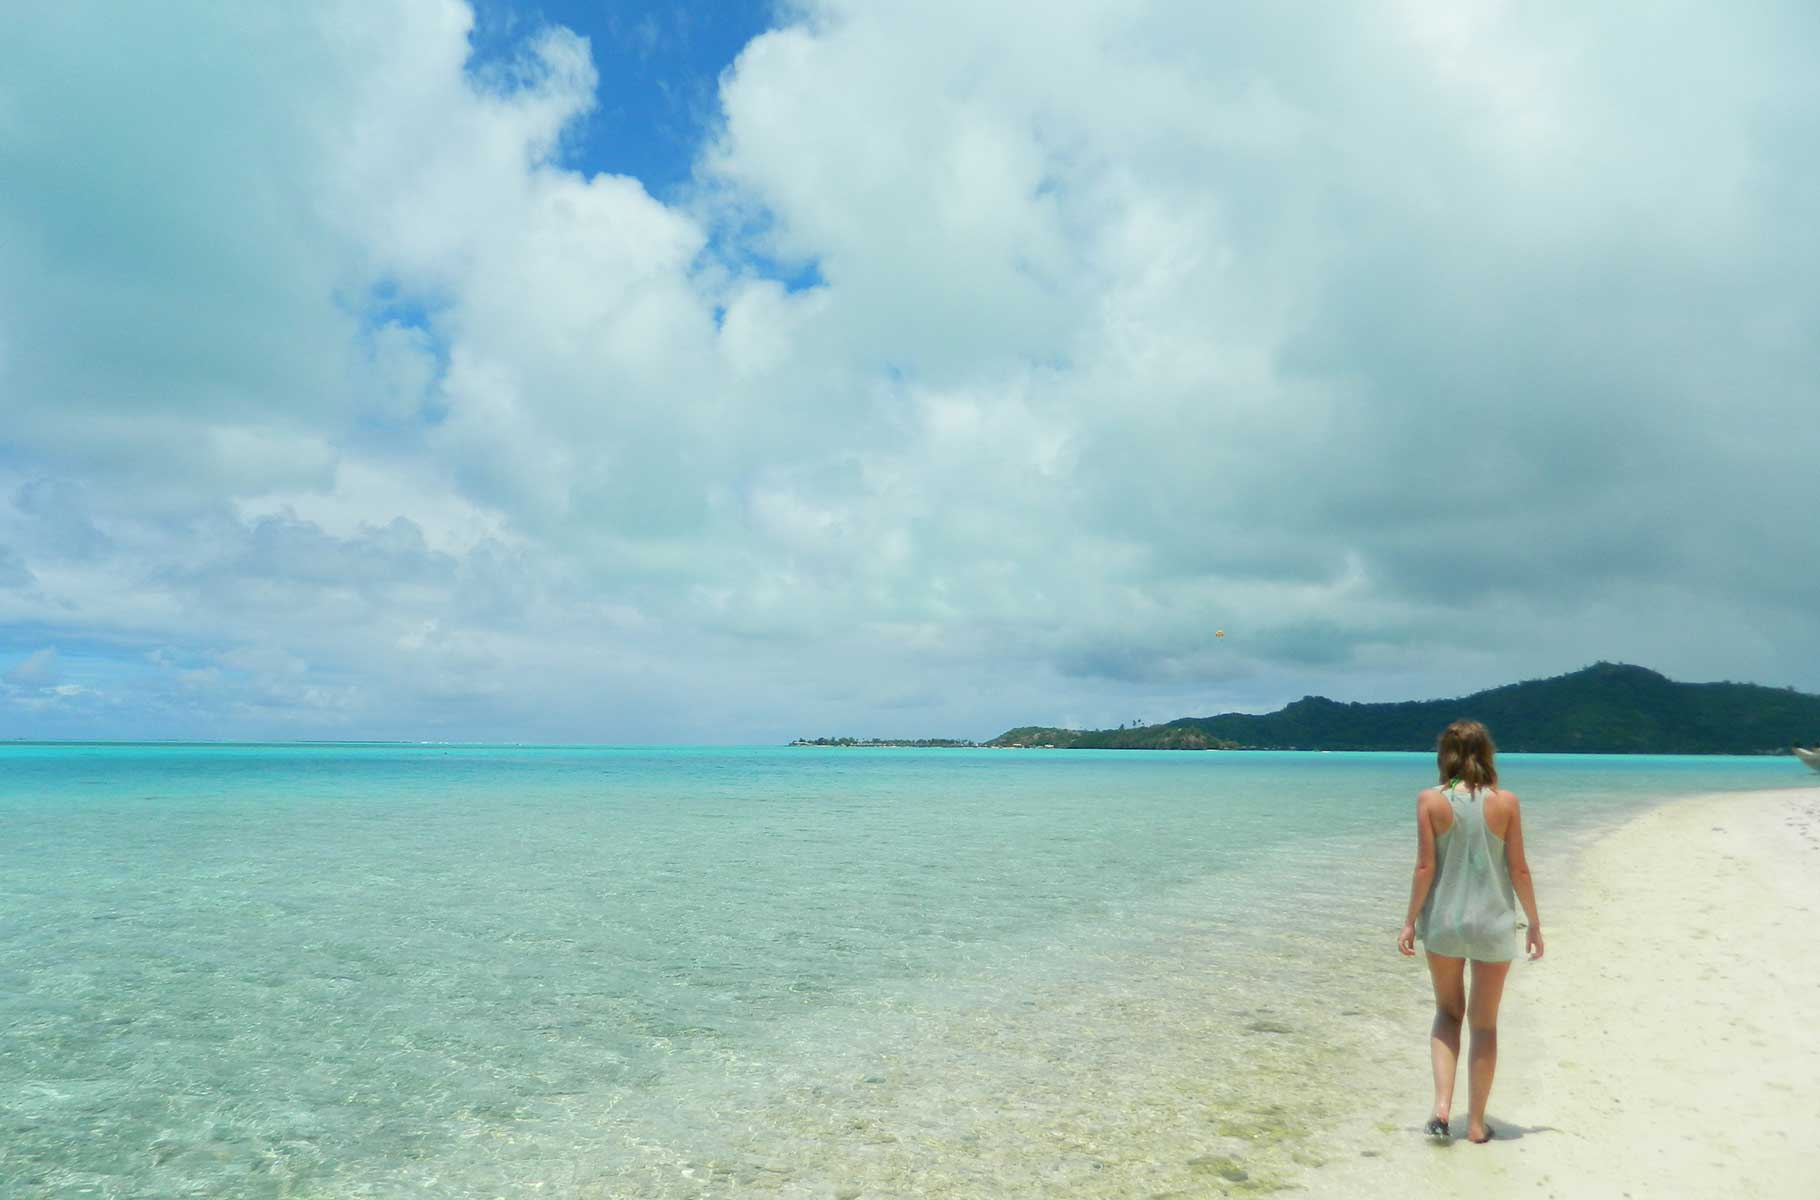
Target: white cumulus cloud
997	355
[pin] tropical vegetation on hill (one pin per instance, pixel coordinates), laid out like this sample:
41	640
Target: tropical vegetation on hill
1607	708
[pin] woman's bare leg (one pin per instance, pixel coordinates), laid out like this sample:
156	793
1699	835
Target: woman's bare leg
1449	977
1482	1064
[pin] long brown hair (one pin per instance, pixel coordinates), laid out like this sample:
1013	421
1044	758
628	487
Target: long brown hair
1464	752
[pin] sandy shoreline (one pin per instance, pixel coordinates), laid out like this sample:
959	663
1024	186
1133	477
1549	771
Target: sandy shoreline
1669	1044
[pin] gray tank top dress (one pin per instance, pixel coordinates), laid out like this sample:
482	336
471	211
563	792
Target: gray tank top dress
1471	910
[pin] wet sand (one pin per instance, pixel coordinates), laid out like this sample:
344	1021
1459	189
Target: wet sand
1667	1045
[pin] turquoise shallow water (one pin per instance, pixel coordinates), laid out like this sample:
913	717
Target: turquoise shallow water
459	971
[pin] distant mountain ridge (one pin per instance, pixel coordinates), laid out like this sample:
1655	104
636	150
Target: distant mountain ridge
1607	708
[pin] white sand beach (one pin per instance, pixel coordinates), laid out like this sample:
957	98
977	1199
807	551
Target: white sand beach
1667	1045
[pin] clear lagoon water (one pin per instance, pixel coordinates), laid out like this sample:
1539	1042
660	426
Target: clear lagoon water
451	971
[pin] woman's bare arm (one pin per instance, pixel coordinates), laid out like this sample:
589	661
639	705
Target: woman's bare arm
1520	881
1424	876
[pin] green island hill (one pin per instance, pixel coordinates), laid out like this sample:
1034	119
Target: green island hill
1607	708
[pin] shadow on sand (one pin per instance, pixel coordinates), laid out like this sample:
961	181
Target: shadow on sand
1501	1131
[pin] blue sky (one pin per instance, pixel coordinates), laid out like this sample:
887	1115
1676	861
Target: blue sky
730	372
659	65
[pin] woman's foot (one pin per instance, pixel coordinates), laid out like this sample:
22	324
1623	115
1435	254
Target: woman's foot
1479	1135
1436	1127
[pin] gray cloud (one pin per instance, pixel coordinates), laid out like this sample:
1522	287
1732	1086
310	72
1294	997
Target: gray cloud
60	514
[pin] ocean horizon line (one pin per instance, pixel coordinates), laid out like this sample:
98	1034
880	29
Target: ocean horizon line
1095	751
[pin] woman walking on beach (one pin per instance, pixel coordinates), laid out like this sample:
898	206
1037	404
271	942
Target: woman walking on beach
1470	874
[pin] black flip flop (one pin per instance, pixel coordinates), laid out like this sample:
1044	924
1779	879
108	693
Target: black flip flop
1489	1134
1436	1127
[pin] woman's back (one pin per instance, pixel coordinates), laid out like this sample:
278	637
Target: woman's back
1471	908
